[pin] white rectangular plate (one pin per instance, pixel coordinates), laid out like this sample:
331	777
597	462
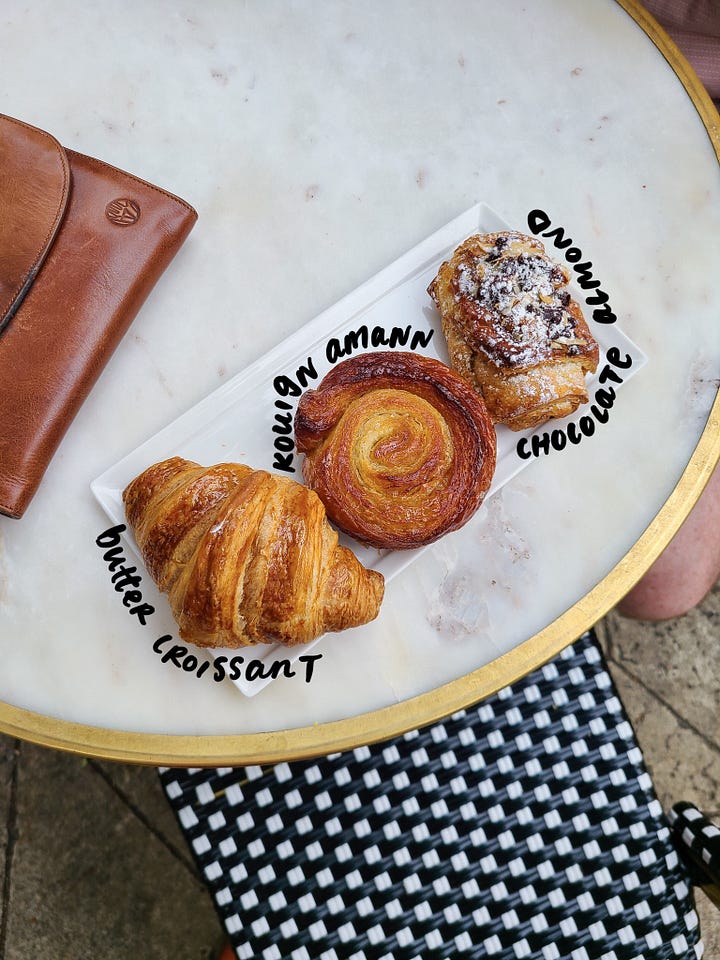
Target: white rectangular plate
221	427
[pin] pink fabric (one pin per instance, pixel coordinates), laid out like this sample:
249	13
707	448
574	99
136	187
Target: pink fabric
696	16
703	52
694	25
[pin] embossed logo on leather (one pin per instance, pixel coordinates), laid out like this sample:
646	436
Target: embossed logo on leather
123	212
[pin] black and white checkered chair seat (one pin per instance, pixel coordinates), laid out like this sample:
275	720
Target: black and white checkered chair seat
699	839
524	827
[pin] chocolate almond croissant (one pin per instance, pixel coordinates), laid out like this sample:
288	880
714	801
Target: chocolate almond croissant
513	330
246	556
398	447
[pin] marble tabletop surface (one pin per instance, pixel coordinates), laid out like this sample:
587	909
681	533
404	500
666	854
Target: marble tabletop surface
319	142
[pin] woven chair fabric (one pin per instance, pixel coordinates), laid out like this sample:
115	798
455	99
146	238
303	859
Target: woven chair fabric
699	839
526	826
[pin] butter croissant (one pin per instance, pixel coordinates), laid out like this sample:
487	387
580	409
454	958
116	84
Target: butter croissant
398	447
246	556
513	330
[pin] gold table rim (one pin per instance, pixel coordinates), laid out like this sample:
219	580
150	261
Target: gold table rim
461	693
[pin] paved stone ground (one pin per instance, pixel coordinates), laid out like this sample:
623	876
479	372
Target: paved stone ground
92	864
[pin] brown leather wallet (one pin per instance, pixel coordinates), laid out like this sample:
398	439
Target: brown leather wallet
81	246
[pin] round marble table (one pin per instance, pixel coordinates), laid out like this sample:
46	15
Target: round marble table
319	142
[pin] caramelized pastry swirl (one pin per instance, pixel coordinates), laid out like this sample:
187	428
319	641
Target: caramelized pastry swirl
397	446
246	556
512	328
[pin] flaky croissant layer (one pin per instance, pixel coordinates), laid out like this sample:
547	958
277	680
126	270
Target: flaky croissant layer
246	556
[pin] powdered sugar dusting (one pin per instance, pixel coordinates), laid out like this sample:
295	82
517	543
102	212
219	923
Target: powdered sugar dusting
523	293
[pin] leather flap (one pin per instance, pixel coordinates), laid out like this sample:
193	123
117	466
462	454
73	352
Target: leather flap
34	190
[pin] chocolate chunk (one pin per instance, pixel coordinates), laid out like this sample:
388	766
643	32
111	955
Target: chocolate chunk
552	315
